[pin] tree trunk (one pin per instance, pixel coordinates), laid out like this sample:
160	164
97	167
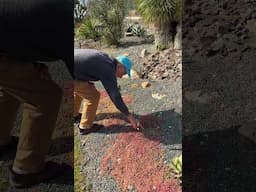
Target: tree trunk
178	38
163	36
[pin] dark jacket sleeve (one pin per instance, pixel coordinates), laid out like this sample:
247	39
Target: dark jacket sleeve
110	85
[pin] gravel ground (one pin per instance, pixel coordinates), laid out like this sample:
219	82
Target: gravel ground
219	161
167	110
219	58
158	105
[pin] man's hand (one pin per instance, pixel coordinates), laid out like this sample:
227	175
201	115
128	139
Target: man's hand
134	122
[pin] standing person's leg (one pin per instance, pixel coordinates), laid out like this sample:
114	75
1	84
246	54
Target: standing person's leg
41	98
91	98
8	111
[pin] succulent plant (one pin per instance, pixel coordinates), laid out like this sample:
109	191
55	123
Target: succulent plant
138	30
176	166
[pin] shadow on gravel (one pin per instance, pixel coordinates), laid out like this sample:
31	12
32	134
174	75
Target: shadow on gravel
62	145
67	178
102	116
219	161
162	126
9	154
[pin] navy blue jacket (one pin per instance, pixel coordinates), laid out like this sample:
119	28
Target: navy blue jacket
94	65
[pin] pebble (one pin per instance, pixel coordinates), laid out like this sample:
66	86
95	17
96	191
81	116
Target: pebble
145	84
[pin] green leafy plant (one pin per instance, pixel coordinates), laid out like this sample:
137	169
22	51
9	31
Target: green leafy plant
89	29
111	14
176	166
138	30
129	28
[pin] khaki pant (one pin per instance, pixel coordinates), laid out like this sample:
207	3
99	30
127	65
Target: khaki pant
87	92
21	83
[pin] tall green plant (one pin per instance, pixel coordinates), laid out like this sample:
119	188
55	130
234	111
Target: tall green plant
111	14
161	13
89	29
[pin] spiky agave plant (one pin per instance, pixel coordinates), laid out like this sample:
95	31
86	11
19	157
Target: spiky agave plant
80	11
138	30
161	13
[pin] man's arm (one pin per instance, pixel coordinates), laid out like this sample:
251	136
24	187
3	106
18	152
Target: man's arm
110	85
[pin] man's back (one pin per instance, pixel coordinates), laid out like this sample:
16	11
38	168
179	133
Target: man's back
93	65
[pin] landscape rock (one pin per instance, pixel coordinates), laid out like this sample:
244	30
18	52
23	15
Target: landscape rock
145	84
144	53
134	75
162	65
158	96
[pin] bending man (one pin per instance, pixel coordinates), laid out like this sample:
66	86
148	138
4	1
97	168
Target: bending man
92	65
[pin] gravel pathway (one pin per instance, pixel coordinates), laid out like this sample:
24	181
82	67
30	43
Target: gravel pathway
117	158
99	150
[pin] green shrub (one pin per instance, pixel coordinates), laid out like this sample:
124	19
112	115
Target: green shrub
138	30
89	29
129	28
111	14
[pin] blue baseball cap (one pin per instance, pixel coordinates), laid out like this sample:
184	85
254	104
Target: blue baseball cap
126	62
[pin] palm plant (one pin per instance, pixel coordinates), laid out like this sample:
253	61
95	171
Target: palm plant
162	14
